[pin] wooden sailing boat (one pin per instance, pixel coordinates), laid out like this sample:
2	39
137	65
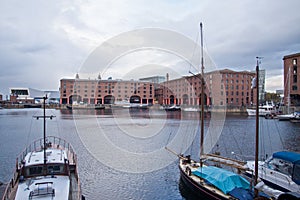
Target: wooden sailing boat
210	181
47	169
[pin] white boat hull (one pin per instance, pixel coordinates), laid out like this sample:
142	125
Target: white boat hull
262	112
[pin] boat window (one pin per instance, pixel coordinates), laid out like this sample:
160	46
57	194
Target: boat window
35	170
55	169
281	166
296	173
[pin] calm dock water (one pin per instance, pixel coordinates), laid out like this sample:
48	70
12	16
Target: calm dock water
121	153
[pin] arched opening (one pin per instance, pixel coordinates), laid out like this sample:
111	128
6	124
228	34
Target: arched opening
75	99
99	101
205	99
109	99
172	99
135	99
185	99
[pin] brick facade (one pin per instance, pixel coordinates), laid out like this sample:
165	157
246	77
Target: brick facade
291	67
105	91
223	88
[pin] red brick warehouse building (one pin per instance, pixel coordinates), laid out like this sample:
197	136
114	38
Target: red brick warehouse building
291	79
222	88
97	91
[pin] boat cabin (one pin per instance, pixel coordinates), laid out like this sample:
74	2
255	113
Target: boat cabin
56	163
287	163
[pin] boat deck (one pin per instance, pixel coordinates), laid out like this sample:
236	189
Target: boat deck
198	182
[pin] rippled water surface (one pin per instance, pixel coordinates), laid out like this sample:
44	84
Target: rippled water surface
121	153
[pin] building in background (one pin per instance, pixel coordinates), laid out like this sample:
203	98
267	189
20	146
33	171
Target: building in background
32	96
20	96
231	88
261	82
291	79
222	88
98	91
154	79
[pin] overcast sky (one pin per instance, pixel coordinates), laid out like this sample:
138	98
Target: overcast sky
44	41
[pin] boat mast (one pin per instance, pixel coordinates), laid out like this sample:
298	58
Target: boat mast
44	117
44	135
289	90
202	98
257	125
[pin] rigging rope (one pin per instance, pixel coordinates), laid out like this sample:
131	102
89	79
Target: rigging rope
279	134
57	125
28	140
193	54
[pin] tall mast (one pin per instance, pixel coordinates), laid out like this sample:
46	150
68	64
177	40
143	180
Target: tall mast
289	90
202	97
257	125
44	130
44	104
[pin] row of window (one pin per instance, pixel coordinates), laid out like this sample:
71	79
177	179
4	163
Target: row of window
237	81
99	95
237	93
108	91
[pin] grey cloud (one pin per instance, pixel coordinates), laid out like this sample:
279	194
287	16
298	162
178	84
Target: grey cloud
45	42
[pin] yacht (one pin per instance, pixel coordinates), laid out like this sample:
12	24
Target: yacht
264	110
288	117
280	172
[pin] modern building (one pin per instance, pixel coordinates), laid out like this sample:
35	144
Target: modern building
291	79
31	96
154	79
21	96
98	91
223	88
261	82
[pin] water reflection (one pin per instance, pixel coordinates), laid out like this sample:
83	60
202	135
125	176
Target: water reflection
100	181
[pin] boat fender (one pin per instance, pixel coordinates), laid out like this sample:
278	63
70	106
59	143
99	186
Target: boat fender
188	171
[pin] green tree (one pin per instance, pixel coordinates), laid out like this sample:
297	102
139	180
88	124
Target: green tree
272	97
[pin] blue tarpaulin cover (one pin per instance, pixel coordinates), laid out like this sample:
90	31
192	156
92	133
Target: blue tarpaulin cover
288	156
223	179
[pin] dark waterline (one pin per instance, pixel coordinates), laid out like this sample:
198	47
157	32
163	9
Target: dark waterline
99	181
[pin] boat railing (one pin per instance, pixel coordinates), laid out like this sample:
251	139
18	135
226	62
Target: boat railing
51	141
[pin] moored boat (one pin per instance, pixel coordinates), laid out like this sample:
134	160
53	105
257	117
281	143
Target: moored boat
46	169
264	110
288	117
192	109
172	108
212	181
85	107
295	118
281	172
